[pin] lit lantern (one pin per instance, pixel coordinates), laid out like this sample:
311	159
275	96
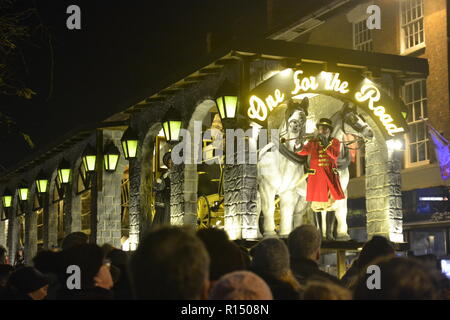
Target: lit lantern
89	158
111	157
41	182
129	143
227	100
7	199
22	190
172	125
64	171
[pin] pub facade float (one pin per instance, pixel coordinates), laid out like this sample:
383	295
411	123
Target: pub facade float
101	179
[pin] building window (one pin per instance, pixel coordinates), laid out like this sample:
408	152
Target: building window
415	97
428	241
6	226
84	186
362	36
412	31
125	205
58	202
39	212
21	223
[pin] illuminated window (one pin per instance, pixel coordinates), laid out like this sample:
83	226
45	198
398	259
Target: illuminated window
125	204
39	212
84	180
415	97
412	30
58	203
362	36
6	224
84	185
21	223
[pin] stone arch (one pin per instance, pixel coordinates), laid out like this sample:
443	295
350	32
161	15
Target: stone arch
190	169
73	223
384	114
383	187
107	201
50	216
30	226
13	229
146	190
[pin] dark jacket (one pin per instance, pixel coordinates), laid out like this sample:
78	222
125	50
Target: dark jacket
94	293
350	276
280	290
8	293
162	203
305	270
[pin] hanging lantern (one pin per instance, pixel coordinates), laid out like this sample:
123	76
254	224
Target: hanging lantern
129	143
41	182
111	157
64	171
22	190
89	158
7	198
227	100
172	125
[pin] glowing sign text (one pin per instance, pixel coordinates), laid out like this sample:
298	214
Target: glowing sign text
371	93
258	109
305	84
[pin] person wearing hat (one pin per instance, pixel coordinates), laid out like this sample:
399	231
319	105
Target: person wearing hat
162	197
92	281
27	283
323	186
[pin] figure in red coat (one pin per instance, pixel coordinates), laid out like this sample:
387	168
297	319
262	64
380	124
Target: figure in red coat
323	180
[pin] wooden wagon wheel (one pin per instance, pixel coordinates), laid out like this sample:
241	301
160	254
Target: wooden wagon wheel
203	213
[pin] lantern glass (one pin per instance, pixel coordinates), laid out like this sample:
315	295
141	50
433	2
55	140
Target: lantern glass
89	162
129	148
172	130
220	106
23	193
227	106
64	175
7	201
166	130
41	185
230	105
111	161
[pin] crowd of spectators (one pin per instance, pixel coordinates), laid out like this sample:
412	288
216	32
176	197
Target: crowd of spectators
176	263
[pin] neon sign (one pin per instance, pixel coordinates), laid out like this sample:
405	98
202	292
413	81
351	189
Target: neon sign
326	81
371	93
258	109
272	92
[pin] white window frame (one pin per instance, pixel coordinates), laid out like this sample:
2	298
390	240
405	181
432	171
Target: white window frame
360	45
403	47
408	163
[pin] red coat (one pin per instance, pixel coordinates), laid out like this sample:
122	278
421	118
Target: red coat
324	177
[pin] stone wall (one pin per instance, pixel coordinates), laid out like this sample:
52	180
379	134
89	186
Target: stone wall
108	200
240	188
177	195
383	191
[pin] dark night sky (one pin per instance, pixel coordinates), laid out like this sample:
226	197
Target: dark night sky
119	54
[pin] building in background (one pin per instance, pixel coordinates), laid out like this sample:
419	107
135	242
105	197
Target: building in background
415	28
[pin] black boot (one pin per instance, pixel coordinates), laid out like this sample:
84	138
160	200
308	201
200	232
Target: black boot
330	225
